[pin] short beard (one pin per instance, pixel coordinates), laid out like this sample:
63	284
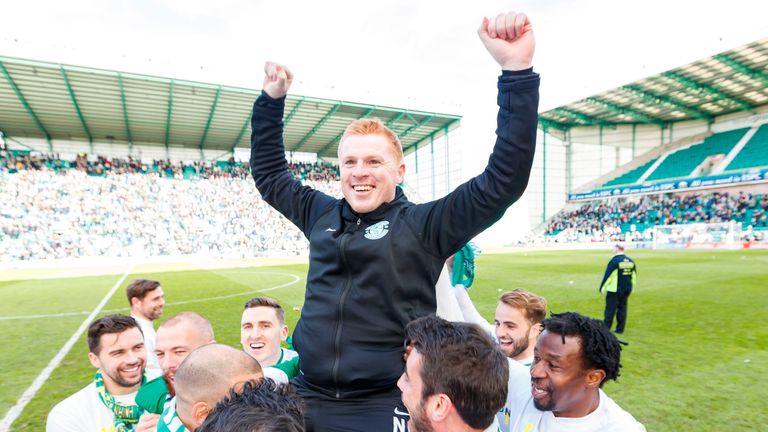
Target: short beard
123	383
522	346
151	315
419	422
519	349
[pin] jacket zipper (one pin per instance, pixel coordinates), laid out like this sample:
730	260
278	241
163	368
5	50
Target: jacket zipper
337	342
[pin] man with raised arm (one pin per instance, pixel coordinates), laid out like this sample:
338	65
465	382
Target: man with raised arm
375	256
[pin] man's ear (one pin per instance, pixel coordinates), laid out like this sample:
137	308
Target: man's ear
200	411
284	333
134	301
595	377
401	173
438	407
94	359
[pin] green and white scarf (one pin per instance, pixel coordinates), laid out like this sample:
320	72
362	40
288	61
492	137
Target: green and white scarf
126	416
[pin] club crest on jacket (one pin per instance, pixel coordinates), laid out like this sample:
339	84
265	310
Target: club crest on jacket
377	230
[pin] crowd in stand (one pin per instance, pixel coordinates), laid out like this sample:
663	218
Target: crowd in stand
100	166
123	207
130	211
627	219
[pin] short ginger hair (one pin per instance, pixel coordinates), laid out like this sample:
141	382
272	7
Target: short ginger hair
374	126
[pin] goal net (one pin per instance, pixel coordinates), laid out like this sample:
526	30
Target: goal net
697	235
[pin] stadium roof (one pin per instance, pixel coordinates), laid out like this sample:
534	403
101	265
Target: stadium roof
63	102
735	80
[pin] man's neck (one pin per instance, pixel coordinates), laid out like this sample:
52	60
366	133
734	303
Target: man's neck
139	315
273	359
526	355
454	425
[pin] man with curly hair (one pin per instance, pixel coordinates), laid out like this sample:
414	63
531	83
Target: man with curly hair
573	358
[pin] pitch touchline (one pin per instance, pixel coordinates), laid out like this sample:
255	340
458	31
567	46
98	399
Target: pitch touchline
64	314
30	392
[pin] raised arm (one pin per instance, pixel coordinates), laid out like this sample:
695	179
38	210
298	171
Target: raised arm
277	80
470	312
300	204
509	39
450	222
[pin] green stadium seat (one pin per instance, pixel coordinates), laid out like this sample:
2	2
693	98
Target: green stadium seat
682	162
632	176
755	152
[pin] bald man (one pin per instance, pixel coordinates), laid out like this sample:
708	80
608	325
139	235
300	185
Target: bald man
206	376
176	338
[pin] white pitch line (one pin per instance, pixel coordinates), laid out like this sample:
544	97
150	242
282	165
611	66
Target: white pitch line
30	392
63	314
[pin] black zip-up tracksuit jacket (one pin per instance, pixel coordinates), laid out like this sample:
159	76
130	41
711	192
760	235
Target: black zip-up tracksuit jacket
370	274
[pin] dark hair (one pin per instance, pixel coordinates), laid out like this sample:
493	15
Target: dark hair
462	362
139	288
260	406
599	347
108	325
268	302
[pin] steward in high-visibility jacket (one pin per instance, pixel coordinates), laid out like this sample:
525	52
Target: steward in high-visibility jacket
618	282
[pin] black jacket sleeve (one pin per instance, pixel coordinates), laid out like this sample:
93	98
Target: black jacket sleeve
450	222
302	205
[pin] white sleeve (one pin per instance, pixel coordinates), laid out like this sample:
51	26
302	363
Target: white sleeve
470	313
447	308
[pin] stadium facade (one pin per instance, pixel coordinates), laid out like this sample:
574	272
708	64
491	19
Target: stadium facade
701	126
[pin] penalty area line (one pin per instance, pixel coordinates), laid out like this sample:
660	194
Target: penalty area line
31	391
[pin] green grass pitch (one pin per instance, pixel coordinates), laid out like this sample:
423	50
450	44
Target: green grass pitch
696	360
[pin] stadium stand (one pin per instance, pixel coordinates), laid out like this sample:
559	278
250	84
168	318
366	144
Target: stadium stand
683	162
755	152
116	208
623	219
14	161
631	176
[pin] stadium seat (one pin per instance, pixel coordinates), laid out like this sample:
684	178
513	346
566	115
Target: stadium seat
755	152
631	176
681	163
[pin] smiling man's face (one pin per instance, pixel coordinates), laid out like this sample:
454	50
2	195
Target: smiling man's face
370	171
559	380
261	333
121	359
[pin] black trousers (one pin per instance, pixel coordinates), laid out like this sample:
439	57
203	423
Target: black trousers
379	412
616	305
